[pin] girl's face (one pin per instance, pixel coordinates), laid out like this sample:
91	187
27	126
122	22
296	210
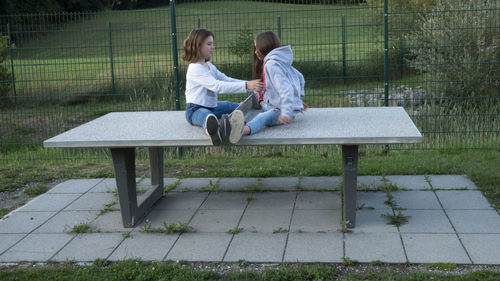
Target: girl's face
206	48
257	52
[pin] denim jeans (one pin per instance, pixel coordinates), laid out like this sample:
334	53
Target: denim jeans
267	118
196	114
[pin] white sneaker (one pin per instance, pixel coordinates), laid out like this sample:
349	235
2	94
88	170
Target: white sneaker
212	126
237	120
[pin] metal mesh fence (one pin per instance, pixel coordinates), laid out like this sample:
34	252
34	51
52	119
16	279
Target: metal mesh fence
61	70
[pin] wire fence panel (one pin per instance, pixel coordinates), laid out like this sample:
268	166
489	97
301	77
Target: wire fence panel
61	70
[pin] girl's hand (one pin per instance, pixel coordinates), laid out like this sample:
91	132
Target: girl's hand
284	119
255	85
305	106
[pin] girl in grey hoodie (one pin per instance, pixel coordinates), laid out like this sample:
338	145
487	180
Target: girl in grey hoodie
281	99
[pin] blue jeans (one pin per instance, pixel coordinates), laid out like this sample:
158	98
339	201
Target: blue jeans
196	114
267	118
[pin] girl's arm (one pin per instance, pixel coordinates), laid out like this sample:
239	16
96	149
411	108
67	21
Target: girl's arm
283	87
203	78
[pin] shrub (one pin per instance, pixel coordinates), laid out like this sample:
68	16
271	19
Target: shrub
242	46
460	49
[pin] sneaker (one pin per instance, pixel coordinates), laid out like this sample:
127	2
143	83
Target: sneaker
212	126
237	121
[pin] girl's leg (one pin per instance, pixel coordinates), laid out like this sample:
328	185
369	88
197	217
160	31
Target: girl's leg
266	118
199	116
224	107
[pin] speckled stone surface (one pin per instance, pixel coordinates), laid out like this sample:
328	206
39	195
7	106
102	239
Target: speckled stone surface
354	125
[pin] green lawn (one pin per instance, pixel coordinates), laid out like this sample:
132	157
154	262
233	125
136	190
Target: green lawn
75	58
138	270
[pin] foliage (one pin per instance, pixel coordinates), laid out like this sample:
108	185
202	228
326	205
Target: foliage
36	190
457	48
242	46
5	76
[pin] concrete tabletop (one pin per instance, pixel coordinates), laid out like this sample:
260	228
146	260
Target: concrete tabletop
353	125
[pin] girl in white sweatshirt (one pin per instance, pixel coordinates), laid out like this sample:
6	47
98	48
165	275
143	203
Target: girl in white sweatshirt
204	82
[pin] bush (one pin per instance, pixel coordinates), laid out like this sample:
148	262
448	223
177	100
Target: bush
5	78
460	49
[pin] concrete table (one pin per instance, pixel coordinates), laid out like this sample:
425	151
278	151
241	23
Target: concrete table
122	132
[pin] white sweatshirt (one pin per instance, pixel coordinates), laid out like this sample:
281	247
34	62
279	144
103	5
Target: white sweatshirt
204	84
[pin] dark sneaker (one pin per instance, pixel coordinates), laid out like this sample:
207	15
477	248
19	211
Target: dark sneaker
237	120
212	126
224	128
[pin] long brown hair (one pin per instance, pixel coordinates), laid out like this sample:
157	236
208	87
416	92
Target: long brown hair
265	42
193	42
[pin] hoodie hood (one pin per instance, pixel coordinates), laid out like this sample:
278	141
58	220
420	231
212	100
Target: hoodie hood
282	54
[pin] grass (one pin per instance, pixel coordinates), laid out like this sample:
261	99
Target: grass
168	228
81	228
235	230
481	166
36	190
140	270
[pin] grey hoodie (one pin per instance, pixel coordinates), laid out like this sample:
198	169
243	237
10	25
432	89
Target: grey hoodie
284	83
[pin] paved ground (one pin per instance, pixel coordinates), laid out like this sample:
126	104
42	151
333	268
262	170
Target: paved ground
449	221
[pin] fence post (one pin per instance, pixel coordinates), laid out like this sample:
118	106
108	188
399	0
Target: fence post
386	54
279	28
111	62
174	54
11	53
199	23
344	61
401	61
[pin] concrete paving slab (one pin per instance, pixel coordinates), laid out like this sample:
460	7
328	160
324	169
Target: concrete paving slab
89	247
426	221
463	199
310	200
23	222
105	186
200	247
36	247
320	183
8	240
64	221
434	247
92	202
144	246
196	184
265	220
181	201
316	221
368	247
417	182
272	201
418	200
215	220
157	217
237	184
372	199
50	202
314	247
369	182
368	221
256	247
75	186
279	183
482	248
109	222
451	182
475	221
226	201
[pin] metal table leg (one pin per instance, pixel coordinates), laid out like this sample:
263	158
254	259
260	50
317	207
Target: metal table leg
350	174
124	166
